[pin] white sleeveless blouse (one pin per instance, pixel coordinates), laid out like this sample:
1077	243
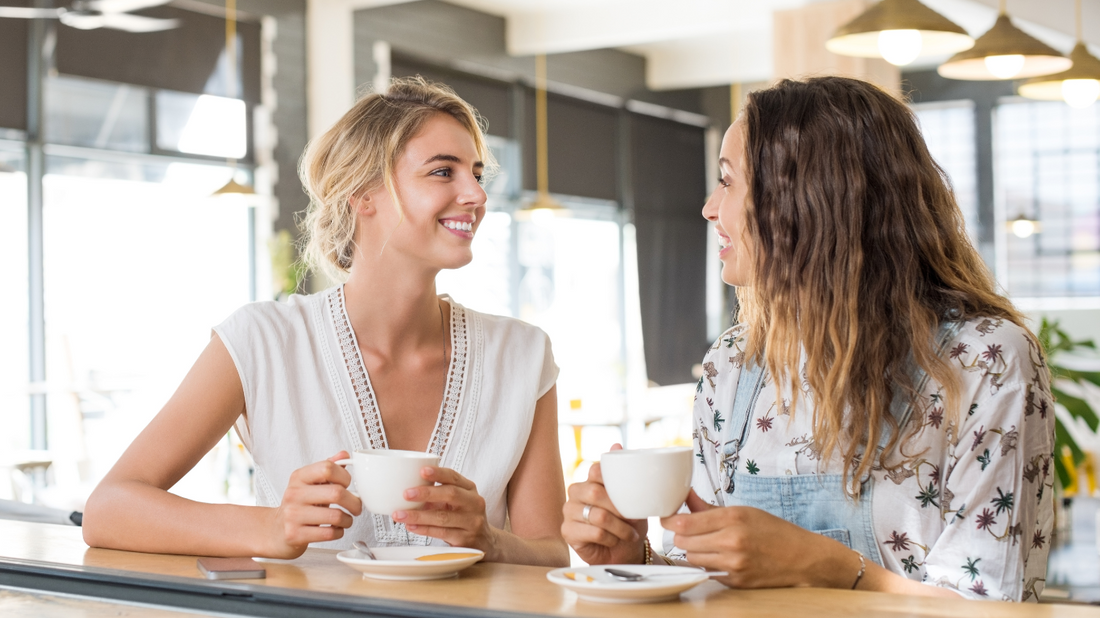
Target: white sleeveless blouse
308	396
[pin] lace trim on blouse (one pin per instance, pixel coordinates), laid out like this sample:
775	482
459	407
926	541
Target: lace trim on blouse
386	530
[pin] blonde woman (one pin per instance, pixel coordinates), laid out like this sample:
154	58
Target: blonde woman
880	418
380	361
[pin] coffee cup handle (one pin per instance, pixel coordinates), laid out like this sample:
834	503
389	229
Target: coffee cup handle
347	462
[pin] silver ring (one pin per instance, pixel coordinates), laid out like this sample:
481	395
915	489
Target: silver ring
584	514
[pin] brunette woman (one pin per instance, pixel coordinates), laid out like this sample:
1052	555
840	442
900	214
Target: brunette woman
880	418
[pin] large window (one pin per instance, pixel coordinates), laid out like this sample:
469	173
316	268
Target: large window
948	129
1048	169
139	263
14	403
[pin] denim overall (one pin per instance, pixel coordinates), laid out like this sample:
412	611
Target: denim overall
815	502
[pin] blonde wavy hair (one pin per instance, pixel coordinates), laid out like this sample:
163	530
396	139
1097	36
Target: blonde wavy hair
859	252
359	154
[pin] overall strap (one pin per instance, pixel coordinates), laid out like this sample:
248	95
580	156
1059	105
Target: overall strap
749	385
902	407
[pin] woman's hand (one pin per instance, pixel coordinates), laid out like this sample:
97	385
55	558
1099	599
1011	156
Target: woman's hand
306	514
453	511
606	537
760	550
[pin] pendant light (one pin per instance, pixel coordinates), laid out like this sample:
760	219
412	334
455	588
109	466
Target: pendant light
1023	226
544	207
1005	52
232	187
899	31
1079	86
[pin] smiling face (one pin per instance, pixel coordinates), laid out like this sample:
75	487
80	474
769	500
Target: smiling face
438	182
728	208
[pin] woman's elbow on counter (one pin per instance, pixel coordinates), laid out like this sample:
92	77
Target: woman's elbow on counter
96	517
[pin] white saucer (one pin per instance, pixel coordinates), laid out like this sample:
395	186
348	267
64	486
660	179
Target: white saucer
401	564
605	589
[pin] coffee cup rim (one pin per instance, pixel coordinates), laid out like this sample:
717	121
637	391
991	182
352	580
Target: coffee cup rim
647	451
396	453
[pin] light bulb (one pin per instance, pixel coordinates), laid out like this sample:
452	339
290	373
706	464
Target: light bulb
542	215
1080	93
1023	228
1004	67
899	47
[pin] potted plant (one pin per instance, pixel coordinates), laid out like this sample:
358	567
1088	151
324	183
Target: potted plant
1056	342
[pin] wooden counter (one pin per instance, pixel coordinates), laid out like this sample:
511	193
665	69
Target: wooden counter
55	559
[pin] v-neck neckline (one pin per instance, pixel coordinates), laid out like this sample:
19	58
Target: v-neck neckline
356	371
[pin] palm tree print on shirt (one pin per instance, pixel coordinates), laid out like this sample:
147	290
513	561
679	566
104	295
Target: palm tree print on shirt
984	459
971	568
985	519
929	495
899	542
1003	501
764	423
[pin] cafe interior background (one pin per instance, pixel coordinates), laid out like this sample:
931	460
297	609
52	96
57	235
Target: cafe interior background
123	244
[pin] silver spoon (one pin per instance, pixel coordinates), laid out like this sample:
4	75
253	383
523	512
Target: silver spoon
630	576
364	549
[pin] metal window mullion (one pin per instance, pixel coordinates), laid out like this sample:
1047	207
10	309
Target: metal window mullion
37	62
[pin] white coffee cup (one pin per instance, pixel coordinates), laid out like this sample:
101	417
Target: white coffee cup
381	477
652	482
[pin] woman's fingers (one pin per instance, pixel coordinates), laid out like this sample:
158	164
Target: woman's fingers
320	473
299	515
324	495
696	504
447	476
441	519
451	497
315	534
710	520
579	534
444	534
601	518
591	493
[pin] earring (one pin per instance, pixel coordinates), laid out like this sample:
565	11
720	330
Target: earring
361	204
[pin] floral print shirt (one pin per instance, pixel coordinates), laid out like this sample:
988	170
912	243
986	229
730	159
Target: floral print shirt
966	504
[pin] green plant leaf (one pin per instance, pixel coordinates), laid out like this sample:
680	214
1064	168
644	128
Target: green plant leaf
1077	407
1062	438
1077	376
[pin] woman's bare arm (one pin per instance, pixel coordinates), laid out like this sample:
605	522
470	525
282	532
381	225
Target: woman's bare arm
132	509
536	495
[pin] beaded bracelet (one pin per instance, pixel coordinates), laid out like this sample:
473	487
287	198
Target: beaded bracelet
650	554
862	569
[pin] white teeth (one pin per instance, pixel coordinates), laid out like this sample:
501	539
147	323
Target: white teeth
459	225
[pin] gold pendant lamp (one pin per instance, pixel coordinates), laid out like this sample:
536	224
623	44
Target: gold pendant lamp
899	31
232	187
544	207
1079	86
1004	52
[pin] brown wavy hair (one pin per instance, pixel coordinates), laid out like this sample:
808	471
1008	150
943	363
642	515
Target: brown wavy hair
860	252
